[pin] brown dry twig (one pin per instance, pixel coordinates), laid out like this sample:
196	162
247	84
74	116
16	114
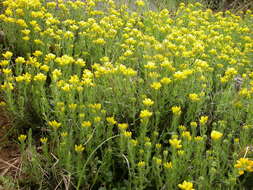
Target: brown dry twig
10	165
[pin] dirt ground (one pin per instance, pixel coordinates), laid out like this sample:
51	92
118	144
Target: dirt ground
9	154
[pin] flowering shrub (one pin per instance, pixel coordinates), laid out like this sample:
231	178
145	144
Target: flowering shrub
129	99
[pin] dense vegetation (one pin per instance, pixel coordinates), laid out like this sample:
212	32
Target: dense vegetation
108	96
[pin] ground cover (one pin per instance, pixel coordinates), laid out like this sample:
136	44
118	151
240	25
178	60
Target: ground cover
107	96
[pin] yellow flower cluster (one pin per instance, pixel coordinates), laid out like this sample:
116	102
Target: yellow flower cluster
194	97
186	185
174	142
176	110
216	135
79	148
203	120
244	164
54	124
145	114
22	138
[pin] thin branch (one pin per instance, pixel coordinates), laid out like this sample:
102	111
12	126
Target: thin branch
10	165
88	159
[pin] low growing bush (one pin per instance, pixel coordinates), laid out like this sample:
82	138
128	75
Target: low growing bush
108	97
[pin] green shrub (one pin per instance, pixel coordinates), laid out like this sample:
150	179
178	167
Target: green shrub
108	96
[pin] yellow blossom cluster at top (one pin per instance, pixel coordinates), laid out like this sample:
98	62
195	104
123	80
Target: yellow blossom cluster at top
244	164
186	185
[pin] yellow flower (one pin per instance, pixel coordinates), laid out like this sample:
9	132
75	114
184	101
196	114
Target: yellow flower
39	42
54	124
194	97
175	143
176	110
150	65
223	79
44	68
182	127
134	142
96	106
7	55
203	120
66	87
80	62
104	59
165	80
186	186
22	138
51	4
72	106
141	164
180	152
43	140
156	85
145	114
215	135
127	134
74	79
99	41
7	86
8	12
198	138
20	60
49	57
27	77
56	74
230	72
167	165
86	124
179	75
68	35
26	38
148	102
148	144
7	71
4	63
244	92
2	103
187	135
82	115
193	124
158	161
154	75
79	148
25	32
122	126
97	119
158	146
244	164
140	3
19	78
128	53
64	134
37	53
147	139
111	120
40	77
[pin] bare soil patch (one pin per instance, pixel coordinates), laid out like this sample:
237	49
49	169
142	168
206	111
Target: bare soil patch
9	153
